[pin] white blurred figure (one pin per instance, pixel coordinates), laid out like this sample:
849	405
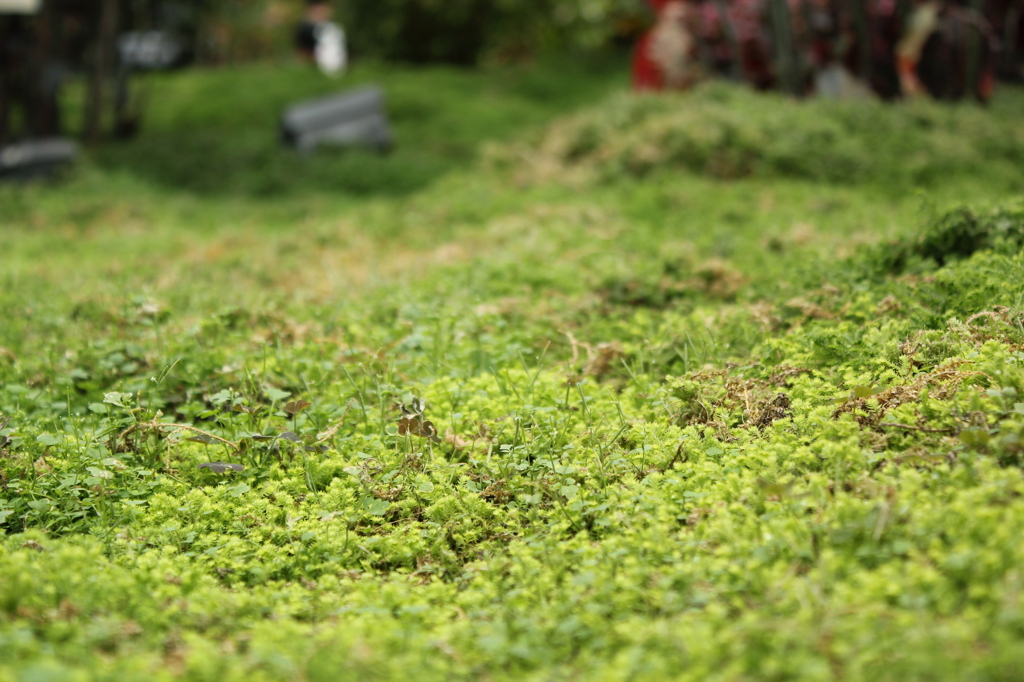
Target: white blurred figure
330	53
320	40
834	81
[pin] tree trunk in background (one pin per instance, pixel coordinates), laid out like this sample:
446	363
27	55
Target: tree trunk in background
6	90
1010	38
862	26
102	69
786	66
43	107
731	39
974	38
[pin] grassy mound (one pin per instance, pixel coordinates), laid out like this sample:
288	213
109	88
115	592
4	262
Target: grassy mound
957	235
729	132
769	428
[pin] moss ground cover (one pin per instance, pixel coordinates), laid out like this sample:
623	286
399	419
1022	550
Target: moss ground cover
540	413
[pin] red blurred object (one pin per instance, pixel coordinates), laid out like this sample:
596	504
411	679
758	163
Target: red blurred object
646	74
750	49
958	57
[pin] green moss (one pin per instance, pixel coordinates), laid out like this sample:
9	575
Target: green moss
683	428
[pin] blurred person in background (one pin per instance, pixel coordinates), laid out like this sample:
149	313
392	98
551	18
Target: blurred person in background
321	41
666	56
946	51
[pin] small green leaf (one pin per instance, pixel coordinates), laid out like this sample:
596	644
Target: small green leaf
46	439
100	473
221	467
865	391
773	488
116	399
375	507
221	397
276	395
239	490
426	487
975	438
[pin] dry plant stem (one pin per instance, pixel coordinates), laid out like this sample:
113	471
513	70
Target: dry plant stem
923	429
998	313
160	426
575	347
339	422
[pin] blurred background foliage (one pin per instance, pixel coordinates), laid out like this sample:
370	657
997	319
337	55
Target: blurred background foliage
452	31
463	31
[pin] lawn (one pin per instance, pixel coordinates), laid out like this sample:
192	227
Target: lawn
572	385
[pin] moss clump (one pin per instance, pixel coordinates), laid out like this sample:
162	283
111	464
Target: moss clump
728	132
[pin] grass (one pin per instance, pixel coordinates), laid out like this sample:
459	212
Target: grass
231	119
571	386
